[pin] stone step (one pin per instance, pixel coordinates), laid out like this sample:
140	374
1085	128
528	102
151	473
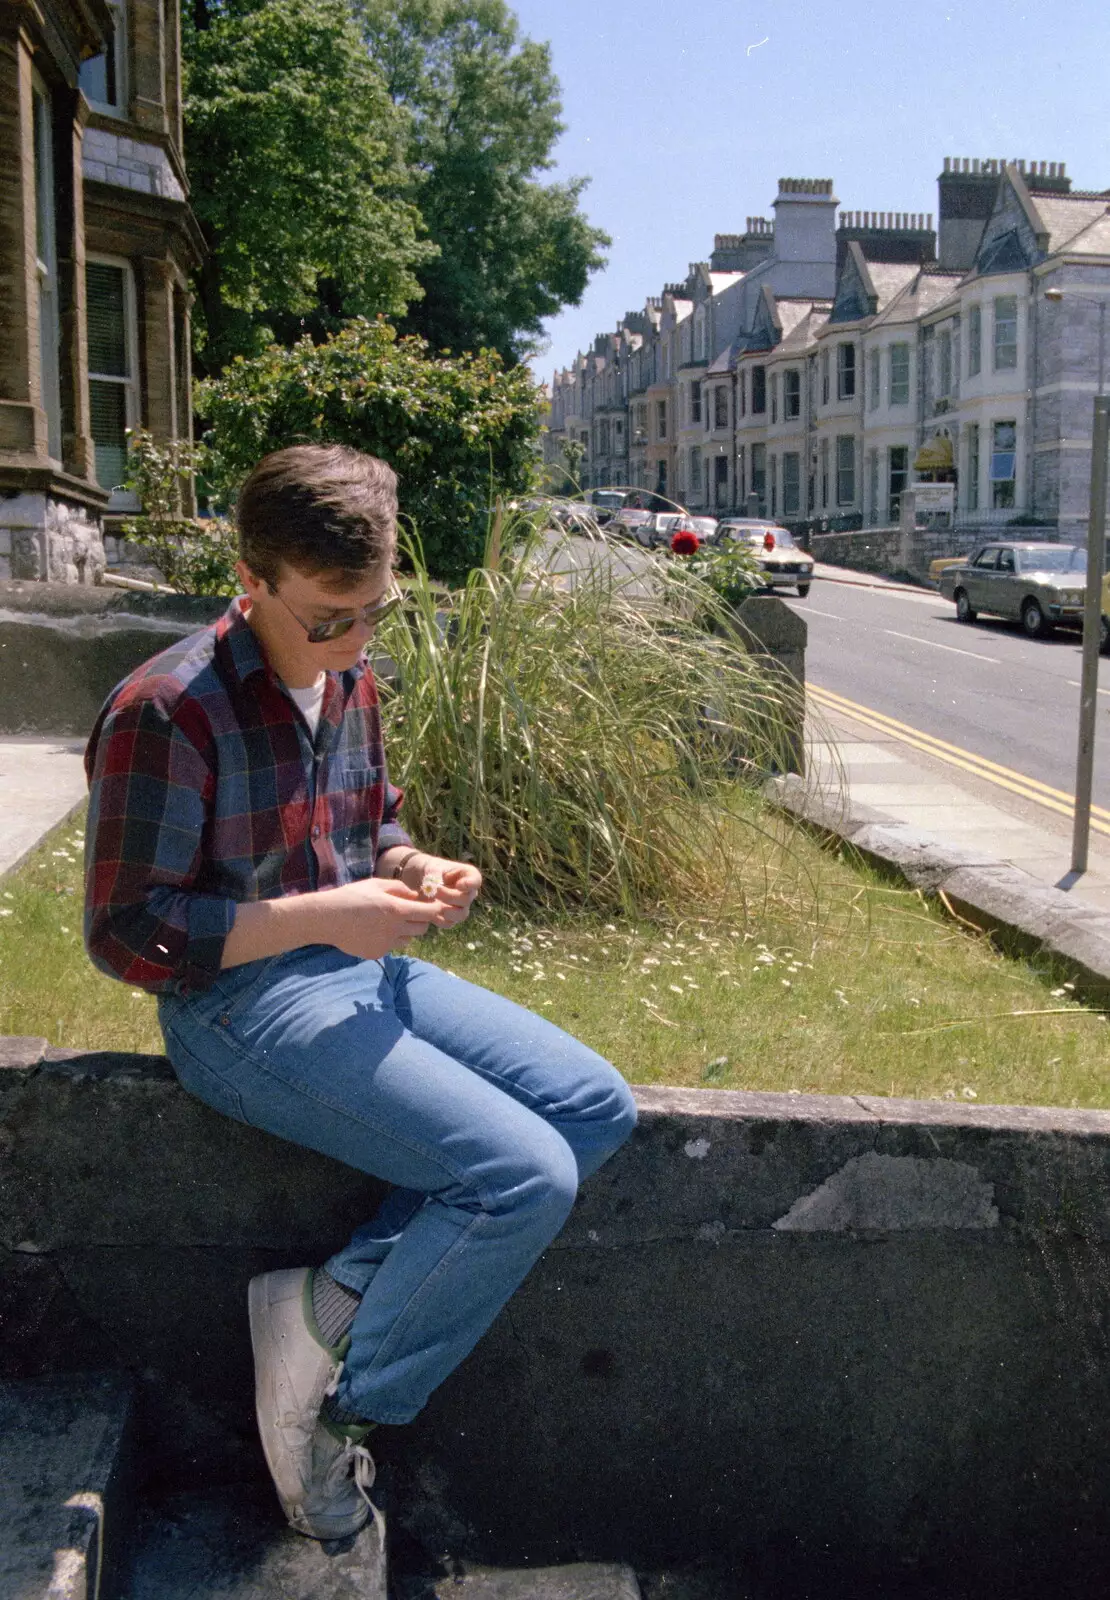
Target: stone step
65	1486
232	1544
578	1581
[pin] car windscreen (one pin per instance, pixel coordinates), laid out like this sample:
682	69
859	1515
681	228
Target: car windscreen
1060	558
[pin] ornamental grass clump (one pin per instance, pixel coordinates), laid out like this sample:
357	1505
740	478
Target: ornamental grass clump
586	745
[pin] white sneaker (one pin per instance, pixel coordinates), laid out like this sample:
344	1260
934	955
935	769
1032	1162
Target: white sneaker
322	1474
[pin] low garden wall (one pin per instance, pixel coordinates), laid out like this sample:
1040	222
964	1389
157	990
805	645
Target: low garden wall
850	1342
897	553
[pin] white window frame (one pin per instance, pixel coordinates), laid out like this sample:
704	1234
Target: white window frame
46	267
119	107
974	340
845	470
997	347
900	344
944	364
123	499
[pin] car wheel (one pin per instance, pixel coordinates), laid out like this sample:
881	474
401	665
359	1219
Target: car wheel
803	590
965	611
1034	621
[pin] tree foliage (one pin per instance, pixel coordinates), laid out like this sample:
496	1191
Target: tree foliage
298	173
459	432
484	115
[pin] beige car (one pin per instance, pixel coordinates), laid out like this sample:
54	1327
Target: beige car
785	564
1042	586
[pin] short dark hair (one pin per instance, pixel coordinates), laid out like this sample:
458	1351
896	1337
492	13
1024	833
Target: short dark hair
319	508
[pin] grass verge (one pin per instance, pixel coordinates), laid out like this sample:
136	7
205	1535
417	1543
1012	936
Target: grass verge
852	987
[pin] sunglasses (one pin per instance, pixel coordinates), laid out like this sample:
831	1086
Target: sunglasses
336	627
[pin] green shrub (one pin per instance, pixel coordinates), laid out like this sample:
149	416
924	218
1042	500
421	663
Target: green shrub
730	570
194	555
459	431
583	748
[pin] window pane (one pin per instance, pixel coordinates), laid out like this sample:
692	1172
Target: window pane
104	294
791	483
899	374
974	340
108	418
1005	331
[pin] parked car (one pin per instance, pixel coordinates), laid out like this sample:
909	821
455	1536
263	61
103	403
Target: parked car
785	564
574	516
1039	585
660	526
706	529
627	521
937	567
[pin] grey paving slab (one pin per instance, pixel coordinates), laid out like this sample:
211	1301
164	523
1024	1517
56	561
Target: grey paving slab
64	1492
41	782
233	1545
577	1581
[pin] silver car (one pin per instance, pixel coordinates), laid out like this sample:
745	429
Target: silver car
1038	585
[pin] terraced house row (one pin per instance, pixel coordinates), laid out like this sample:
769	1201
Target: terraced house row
821	363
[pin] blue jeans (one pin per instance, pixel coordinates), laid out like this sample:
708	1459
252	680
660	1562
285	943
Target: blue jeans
485	1116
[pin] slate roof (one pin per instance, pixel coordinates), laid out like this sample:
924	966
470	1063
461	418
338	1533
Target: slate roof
1093	241
800	321
1065	216
929	287
889	278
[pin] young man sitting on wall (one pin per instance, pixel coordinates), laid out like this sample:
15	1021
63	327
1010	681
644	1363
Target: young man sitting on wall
246	865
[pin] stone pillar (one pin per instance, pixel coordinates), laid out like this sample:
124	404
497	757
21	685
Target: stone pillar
22	419
148	56
160	410
77	445
907	531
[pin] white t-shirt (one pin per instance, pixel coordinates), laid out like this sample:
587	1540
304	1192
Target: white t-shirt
311	701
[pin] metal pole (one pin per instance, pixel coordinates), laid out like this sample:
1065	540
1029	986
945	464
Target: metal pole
1092	630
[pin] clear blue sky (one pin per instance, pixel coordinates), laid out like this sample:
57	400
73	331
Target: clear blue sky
685	115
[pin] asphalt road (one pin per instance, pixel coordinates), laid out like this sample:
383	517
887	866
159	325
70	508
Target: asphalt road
985	688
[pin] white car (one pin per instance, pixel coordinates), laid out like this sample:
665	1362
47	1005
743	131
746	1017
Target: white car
785	564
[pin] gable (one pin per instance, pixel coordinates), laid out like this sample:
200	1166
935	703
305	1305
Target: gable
1010	241
855	297
764	333
1008	252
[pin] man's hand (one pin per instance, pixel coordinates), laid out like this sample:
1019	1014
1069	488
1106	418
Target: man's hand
375	915
453	885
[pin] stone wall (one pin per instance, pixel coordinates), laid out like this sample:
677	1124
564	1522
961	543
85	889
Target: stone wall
894	553
42	538
844	1341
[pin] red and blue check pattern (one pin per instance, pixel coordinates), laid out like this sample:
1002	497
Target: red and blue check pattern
206	790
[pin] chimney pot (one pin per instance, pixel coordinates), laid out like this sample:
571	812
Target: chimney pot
975	166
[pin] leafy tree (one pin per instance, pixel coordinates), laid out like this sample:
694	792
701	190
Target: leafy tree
297	169
484	116
459	432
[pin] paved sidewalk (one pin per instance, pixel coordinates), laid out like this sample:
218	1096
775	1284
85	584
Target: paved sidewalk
41	781
876	779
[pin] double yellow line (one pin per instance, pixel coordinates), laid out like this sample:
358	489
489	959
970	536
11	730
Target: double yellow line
1003	777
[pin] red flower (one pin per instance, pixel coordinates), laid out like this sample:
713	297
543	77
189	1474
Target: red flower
685	542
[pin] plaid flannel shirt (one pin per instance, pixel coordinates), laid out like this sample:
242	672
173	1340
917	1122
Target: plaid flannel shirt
206	791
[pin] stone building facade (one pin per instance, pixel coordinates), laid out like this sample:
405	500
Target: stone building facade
96	242
819	366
